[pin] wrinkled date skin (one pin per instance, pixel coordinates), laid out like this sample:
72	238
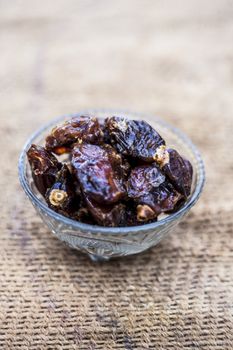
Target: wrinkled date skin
62	196
44	167
119	164
149	188
179	171
107	215
134	138
82	128
93	169
119	172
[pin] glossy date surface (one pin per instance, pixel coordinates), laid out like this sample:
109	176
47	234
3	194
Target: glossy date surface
94	169
117	173
44	167
134	138
151	191
179	171
83	128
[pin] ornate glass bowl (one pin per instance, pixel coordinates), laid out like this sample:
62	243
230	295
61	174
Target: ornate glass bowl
107	242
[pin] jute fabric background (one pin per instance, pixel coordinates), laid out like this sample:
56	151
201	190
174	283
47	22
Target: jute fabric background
170	58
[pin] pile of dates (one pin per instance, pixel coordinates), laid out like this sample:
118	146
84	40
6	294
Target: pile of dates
118	172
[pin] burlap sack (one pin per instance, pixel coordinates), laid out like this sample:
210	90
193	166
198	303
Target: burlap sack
172	58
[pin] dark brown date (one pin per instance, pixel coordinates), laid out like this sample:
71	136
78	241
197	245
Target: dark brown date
44	167
80	129
119	164
131	214
95	173
134	138
62	196
119	173
178	170
107	215
83	215
143	180
151	191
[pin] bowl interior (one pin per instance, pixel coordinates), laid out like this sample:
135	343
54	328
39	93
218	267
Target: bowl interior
174	139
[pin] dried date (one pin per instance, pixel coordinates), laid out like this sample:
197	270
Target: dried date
62	195
151	191
107	215
119	164
44	167
134	138
83	128
120	172
131	214
94	171
178	170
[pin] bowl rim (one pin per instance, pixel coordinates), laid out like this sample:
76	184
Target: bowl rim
112	230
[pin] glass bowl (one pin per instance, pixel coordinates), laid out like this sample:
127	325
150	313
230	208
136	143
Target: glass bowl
102	243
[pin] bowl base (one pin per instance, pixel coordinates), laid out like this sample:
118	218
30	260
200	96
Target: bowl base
98	258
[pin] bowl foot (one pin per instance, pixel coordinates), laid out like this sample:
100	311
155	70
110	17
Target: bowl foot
98	258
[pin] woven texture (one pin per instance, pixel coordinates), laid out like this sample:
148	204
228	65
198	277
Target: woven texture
170	58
